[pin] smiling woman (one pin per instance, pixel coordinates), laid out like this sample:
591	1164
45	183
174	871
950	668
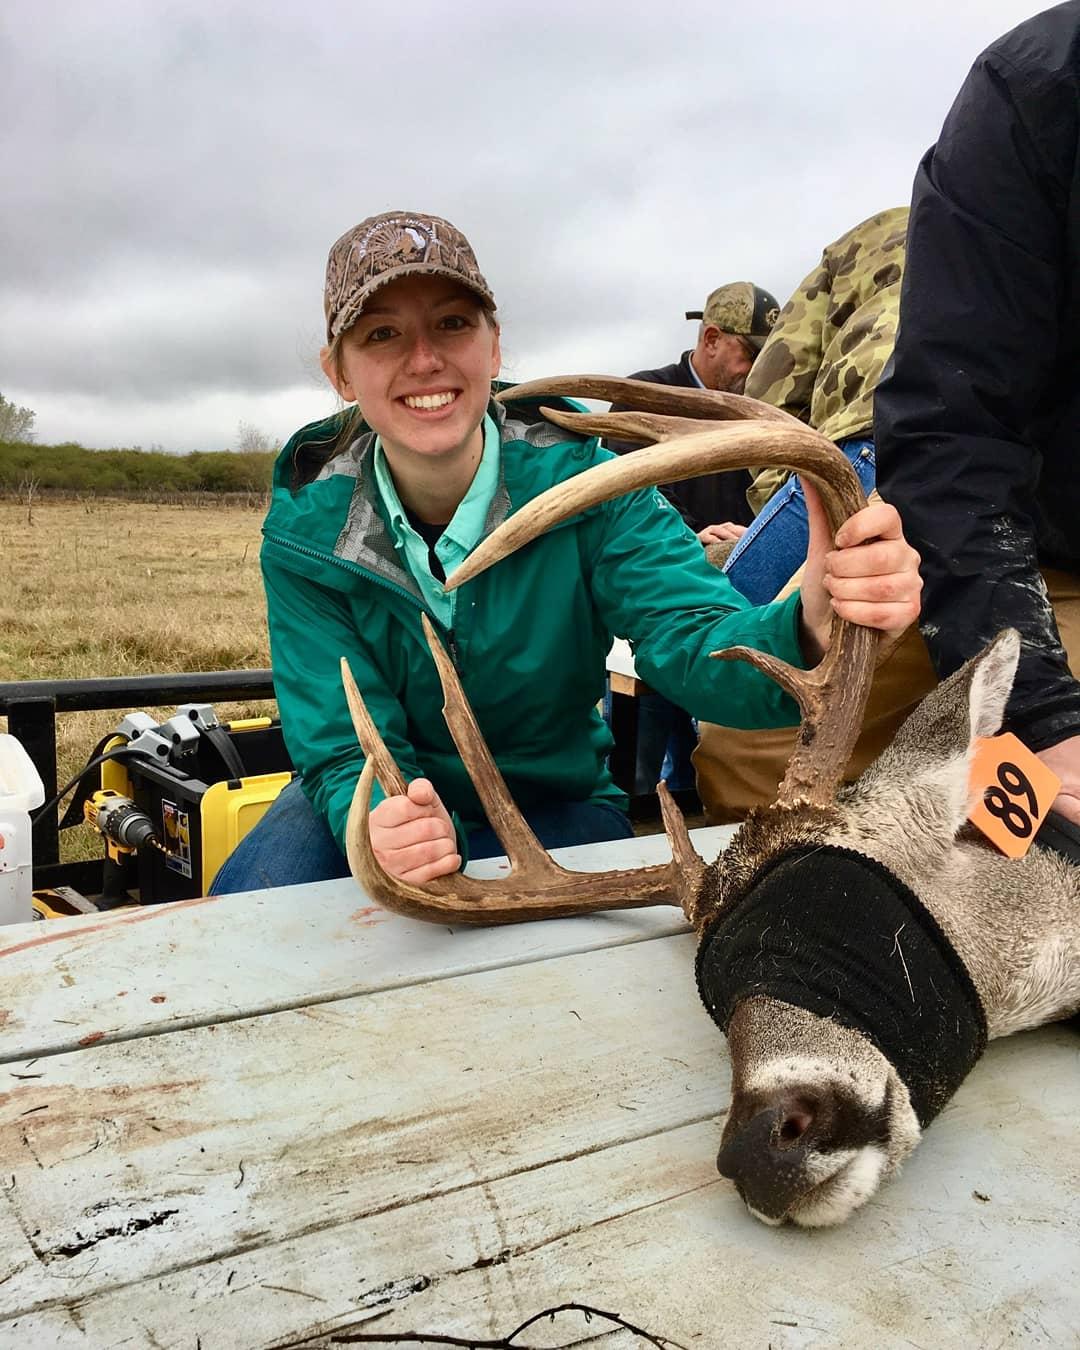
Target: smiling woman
419	362
374	507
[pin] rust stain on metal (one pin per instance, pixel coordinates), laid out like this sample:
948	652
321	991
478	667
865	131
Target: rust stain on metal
4	1015
80	1121
157	998
363	916
121	921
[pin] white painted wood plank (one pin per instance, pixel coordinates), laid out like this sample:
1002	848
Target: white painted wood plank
648	1229
186	1145
70	982
620	659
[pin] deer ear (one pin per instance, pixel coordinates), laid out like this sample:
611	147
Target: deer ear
966	706
922	778
991	676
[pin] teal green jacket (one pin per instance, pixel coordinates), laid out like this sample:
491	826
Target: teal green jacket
531	634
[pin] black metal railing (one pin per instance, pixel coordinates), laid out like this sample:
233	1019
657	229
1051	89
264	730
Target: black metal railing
32	707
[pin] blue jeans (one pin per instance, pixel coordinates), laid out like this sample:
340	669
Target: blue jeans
774	547
293	844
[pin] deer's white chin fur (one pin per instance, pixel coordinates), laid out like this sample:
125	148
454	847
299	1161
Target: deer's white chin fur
855	1180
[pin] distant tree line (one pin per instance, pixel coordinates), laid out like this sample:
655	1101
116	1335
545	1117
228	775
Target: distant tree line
27	468
146	473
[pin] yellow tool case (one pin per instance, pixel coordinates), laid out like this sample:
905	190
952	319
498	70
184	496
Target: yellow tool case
171	801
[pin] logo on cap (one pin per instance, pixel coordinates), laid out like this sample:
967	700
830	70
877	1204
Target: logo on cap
394	244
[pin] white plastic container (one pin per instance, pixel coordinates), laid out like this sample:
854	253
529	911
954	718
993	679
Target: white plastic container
21	792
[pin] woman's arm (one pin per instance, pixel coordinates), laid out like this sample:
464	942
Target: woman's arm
311	628
653	585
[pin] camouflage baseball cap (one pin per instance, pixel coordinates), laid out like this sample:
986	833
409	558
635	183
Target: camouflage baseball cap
741	308
383	248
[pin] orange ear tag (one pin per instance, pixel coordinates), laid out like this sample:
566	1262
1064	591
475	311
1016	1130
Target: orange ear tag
1015	791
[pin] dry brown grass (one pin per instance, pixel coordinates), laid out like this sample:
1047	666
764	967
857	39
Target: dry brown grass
106	587
103	587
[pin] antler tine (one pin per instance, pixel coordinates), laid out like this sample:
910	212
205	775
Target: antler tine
711	404
648	428
367	733
536	887
684	855
833	696
523	849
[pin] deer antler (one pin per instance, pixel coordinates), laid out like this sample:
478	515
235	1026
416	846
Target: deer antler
536	887
831	697
710	404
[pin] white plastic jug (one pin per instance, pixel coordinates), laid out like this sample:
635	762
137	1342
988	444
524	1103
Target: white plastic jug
21	792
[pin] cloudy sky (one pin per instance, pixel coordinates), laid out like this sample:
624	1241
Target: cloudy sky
175	172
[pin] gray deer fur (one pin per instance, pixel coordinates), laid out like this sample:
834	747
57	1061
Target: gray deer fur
840	1118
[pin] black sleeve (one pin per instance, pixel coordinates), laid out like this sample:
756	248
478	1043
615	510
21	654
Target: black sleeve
974	363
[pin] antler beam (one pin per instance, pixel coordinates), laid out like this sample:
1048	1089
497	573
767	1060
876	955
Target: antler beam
709	404
702	432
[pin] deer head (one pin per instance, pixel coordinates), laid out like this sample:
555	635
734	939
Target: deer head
825	1103
820	1113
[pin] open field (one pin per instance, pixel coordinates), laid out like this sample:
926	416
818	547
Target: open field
107	587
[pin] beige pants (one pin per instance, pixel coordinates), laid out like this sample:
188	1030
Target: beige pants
737	770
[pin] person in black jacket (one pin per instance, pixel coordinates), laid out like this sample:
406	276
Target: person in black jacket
977	424
735	322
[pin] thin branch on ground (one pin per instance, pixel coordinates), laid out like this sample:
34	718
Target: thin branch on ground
509	1342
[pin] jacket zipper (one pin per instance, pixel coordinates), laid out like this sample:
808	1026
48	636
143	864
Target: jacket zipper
449	640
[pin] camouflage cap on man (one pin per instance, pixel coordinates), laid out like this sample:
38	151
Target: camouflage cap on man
741	308
396	244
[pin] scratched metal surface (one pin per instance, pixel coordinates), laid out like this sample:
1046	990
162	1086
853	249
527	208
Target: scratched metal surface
455	1153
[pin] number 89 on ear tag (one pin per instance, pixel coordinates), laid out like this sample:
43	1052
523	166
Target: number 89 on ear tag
1014	791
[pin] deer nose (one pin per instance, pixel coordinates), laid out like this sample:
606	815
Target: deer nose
766	1157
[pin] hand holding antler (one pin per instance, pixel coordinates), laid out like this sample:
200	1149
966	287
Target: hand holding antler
868	574
412	835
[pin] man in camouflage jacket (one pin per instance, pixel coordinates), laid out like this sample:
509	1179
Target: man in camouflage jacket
828	349
821	363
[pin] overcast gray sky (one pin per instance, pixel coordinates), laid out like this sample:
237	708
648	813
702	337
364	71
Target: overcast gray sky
175	171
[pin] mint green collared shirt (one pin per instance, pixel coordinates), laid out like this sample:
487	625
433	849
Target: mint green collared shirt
459	538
